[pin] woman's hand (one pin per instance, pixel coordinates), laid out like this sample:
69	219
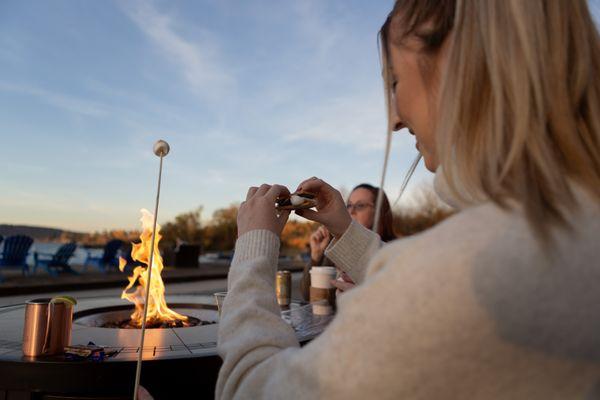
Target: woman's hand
319	241
343	284
259	212
331	208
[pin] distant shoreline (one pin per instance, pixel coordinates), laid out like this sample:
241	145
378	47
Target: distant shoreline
39	233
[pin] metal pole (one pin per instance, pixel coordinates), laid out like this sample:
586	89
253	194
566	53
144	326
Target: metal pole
407	177
379	200
161	149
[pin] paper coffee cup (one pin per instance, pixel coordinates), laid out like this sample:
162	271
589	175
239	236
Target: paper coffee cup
321	277
318	294
322	308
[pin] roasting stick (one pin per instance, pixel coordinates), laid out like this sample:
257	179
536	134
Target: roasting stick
379	200
161	149
407	177
411	170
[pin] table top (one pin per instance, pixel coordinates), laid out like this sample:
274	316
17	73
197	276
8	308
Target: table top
159	344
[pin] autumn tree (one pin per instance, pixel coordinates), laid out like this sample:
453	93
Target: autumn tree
221	233
296	234
428	211
186	227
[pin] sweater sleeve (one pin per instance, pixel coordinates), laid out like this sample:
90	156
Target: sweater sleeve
250	328
385	341
260	351
353	251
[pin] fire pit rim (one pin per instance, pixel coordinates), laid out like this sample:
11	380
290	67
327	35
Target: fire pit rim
121	307
84	317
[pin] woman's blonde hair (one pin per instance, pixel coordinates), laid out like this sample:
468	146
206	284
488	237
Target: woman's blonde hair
519	110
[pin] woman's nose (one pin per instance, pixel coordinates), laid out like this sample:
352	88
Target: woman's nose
395	122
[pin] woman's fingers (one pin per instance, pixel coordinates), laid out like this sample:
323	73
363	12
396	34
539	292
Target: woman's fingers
251	192
319	234
341	285
283	217
313	185
323	231
323	235
264	188
267	190
285	214
276	191
314	237
301	185
259	212
346	278
309	214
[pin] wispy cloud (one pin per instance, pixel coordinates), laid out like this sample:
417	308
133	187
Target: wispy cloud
198	61
357	121
323	33
66	102
349	110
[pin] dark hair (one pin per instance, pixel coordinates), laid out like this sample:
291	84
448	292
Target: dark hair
386	223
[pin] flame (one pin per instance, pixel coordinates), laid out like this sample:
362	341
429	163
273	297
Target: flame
158	312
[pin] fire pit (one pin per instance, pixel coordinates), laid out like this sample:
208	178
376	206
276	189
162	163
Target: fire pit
178	362
127	323
179	353
119	317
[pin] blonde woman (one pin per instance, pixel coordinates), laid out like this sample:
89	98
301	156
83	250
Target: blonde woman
502	300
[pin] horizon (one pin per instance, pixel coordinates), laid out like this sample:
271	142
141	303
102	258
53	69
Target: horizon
244	94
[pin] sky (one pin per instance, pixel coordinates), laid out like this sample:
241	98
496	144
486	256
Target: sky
245	92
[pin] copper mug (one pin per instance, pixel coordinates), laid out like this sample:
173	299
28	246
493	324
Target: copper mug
47	328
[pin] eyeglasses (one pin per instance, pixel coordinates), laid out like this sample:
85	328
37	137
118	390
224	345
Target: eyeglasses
358	207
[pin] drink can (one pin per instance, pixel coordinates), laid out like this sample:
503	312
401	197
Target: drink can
283	287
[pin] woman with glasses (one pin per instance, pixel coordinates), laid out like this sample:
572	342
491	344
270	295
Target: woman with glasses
361	207
502	299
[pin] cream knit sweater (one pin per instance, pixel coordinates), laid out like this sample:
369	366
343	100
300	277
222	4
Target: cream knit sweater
473	308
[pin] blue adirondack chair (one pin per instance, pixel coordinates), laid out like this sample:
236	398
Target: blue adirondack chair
108	258
131	264
14	253
57	261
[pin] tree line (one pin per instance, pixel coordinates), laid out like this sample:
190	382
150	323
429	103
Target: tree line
219	233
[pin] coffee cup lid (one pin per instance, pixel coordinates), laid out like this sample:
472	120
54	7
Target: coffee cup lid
323	270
